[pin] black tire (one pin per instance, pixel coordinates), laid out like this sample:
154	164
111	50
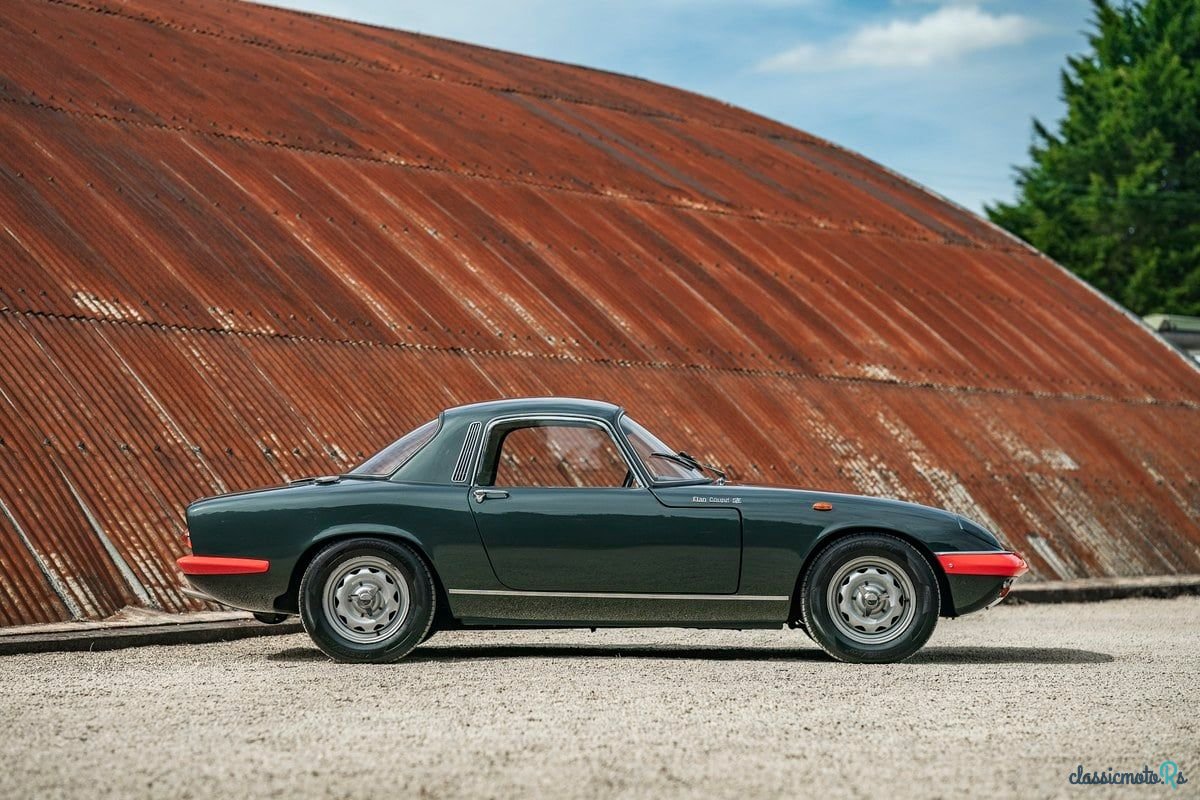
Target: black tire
270	619
798	622
377	565
886	579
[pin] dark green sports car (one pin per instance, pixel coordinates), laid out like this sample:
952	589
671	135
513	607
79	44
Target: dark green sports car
552	513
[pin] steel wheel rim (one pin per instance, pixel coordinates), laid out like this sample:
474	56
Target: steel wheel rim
366	599
871	600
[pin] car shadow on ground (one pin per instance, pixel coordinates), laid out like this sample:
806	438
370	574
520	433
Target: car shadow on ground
930	655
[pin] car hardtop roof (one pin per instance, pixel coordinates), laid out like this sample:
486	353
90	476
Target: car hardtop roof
537	405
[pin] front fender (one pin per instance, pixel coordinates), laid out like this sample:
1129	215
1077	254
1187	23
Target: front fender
935	535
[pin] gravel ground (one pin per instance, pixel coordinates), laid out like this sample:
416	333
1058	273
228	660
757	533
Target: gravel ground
1001	703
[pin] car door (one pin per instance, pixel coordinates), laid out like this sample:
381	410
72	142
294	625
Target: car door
559	508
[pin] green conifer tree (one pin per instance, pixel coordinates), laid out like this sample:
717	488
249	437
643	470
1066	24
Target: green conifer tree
1114	193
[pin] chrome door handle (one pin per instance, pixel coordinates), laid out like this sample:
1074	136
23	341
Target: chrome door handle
489	494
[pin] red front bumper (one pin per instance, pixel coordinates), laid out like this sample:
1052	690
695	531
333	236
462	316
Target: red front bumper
993	564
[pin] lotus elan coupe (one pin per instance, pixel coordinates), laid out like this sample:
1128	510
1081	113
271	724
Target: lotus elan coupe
566	513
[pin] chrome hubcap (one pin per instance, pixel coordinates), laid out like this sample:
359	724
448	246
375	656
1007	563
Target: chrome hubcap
871	600
366	599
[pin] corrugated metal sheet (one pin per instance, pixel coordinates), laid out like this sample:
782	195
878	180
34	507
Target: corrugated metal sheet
242	245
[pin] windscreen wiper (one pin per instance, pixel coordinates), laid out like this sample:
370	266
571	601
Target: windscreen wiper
690	462
325	480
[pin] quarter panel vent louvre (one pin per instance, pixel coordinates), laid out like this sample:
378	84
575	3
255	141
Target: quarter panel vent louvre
468	449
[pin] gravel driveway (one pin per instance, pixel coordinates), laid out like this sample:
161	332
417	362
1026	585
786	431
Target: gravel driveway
1005	702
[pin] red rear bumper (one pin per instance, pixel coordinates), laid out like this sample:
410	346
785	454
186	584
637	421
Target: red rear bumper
994	564
221	565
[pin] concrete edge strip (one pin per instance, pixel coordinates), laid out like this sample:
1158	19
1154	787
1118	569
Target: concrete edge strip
1091	591
118	638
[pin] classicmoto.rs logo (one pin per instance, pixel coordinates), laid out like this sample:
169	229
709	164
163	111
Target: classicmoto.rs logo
1168	774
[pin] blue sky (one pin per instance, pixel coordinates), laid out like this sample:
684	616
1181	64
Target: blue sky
942	91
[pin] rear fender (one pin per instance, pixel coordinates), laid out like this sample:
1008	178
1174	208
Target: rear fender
288	601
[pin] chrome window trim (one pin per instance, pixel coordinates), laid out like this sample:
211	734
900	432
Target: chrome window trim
701	481
469	442
631	461
759	598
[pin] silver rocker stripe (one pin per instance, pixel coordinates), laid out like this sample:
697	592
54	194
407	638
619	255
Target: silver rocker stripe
761	598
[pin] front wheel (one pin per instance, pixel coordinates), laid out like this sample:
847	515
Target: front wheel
367	600
870	598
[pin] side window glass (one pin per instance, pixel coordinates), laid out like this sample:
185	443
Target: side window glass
556	455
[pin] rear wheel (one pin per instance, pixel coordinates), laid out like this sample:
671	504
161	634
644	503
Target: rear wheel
870	598
367	600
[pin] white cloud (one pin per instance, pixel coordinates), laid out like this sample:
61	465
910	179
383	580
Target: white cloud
943	35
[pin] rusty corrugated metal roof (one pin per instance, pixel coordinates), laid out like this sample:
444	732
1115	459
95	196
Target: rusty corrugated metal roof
242	245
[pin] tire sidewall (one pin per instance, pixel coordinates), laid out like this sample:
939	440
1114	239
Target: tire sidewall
818	616
410	633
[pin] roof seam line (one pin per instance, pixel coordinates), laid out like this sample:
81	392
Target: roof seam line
270	44
401	162
620	362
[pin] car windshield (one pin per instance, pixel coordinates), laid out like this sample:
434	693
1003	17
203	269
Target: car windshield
392	457
655	454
